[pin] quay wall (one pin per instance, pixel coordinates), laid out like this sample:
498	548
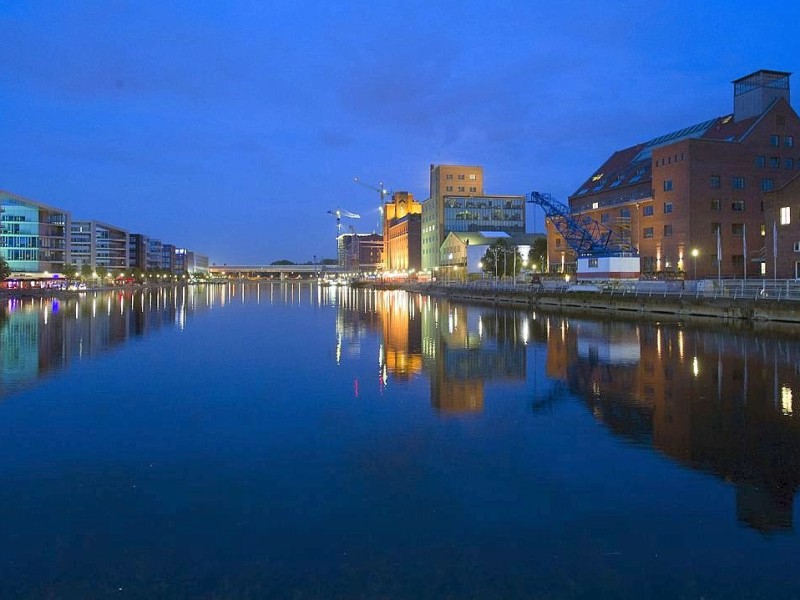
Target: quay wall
672	306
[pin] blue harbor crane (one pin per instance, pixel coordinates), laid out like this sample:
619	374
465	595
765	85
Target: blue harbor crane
583	234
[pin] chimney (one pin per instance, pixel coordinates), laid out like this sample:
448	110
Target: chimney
754	93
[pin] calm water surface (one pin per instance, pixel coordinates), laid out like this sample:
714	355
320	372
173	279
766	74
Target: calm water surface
286	441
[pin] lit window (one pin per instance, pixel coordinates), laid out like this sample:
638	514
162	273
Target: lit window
472	177
595	205
786	217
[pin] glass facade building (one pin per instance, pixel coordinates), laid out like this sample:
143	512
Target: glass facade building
484	213
33	237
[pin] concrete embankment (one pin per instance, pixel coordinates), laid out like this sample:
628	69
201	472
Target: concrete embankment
669	306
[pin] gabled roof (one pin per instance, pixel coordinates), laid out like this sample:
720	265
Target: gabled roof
633	165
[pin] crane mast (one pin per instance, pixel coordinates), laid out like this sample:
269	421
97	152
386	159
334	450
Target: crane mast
382	193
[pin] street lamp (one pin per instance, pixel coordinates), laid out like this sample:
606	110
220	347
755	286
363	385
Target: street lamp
695	252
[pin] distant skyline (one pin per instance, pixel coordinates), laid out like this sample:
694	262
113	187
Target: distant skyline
232	128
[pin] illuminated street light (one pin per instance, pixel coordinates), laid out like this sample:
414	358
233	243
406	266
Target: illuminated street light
695	252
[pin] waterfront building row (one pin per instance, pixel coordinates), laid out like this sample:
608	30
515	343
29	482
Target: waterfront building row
37	240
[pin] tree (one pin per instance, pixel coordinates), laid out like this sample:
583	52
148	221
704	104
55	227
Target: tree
86	270
282	262
501	260
538	254
70	271
102	272
5	270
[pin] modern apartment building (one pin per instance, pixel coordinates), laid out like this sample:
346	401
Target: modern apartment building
98	245
33	236
692	201
402	230
457	202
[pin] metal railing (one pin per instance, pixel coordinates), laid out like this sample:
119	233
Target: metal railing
732	289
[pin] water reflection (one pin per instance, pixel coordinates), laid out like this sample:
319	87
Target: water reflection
721	401
42	335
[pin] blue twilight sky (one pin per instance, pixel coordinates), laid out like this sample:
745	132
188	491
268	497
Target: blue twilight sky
233	127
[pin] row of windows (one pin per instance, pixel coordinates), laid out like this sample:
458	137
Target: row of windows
775	141
668	160
775	162
461	176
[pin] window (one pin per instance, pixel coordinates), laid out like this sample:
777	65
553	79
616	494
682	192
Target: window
604	218
775	162
788	141
647	211
647	232
737	260
667	230
472	177
767	184
775	140
667	208
737	205
716	228
761	161
716	204
786	215
448	176
737	183
461	188
449	188
797	246
472	188
788	163
593	263
625	213
461	177
558	242
716	181
667	185
737	229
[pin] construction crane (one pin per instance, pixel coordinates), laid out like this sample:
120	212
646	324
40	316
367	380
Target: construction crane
382	193
339	213
583	234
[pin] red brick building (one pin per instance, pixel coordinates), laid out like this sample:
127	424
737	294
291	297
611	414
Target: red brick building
692	202
782	216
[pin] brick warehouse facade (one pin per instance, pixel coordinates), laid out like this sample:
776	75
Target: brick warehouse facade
692	202
782	215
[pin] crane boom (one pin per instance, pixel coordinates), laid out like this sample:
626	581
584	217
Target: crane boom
584	235
339	213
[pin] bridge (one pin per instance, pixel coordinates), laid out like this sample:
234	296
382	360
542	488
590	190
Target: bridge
274	271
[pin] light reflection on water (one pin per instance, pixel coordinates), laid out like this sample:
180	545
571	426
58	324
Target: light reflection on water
301	420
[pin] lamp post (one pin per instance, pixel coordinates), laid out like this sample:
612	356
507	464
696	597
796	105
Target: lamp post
695	252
